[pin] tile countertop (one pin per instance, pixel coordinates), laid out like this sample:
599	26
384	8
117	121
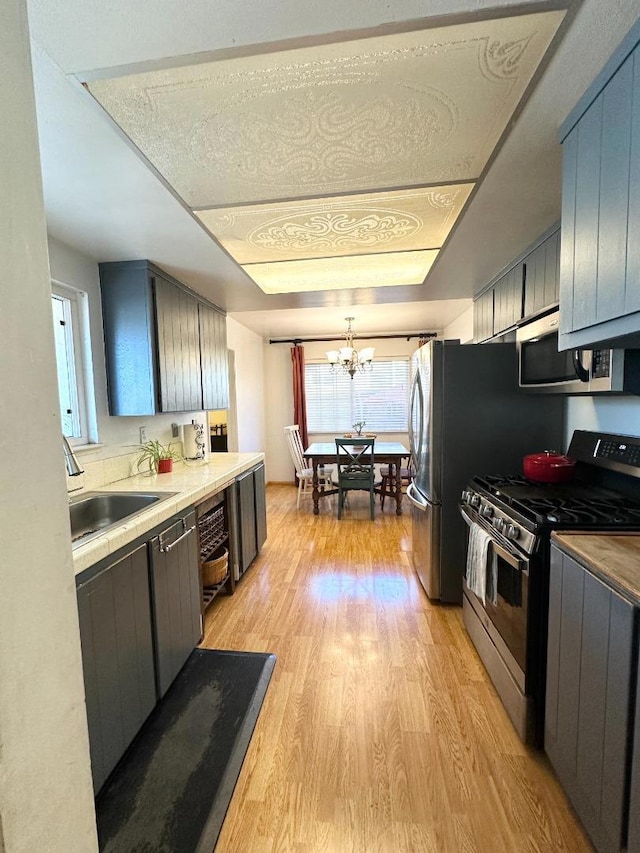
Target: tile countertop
613	557
191	482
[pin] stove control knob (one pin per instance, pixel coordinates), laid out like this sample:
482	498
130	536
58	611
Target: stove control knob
498	523
512	532
486	511
475	500
466	496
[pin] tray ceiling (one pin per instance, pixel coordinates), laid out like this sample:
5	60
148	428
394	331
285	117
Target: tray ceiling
340	165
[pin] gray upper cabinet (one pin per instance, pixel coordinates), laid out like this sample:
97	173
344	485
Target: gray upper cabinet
507	300
213	354
528	288
600	253
590	675
483	317
542	276
178	339
166	350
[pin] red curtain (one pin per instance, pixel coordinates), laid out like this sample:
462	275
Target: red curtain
299	397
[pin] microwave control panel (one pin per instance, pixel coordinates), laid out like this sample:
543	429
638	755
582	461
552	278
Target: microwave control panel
601	363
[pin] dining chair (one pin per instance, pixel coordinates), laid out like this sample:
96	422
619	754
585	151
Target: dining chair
388	481
303	472
356	469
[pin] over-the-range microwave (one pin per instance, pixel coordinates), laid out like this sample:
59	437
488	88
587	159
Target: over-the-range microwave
543	369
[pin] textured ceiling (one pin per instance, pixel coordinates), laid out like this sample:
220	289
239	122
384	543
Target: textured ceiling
290	133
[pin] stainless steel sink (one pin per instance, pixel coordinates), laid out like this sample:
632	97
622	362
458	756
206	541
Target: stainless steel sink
94	512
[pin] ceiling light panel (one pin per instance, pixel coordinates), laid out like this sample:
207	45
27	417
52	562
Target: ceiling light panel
346	225
401	110
398	268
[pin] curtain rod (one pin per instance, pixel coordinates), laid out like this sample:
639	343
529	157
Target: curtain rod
359	336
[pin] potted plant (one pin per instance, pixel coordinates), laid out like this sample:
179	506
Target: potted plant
358	426
156	457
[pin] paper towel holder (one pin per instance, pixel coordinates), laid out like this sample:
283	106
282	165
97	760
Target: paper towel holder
198	451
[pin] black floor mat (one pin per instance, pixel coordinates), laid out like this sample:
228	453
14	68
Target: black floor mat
170	792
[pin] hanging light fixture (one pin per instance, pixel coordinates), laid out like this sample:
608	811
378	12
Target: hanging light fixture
348	357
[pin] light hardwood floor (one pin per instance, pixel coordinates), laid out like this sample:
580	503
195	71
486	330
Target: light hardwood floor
380	731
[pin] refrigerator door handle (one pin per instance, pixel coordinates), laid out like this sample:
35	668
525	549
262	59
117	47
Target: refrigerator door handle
416	498
416	406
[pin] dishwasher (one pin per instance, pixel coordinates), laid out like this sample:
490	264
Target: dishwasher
176	595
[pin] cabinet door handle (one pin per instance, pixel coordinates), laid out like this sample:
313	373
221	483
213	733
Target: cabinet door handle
165	548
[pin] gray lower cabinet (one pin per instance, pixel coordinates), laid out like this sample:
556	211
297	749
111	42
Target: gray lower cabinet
117	657
590	677
177	598
251	515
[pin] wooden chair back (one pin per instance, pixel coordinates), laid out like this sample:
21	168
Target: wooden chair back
356	468
294	442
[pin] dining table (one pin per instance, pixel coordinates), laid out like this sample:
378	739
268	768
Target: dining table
391	453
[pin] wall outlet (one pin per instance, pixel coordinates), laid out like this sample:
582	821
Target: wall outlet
174	431
143	435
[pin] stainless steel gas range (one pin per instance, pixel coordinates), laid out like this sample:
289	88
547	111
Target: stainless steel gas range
510	521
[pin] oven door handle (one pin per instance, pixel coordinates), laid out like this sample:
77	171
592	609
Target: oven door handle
507	556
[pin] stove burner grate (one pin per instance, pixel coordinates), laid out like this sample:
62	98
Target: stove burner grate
571	505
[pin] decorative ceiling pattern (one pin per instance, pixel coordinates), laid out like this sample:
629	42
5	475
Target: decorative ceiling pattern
404	124
341	225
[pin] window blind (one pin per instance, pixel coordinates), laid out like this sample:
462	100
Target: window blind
380	397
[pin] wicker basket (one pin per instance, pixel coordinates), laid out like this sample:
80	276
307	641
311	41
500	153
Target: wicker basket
215	570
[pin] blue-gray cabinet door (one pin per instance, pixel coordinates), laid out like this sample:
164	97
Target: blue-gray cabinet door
483	317
507	300
634	797
589	675
261	506
245	490
213	358
600	258
117	658
177	598
178	342
541	279
129	338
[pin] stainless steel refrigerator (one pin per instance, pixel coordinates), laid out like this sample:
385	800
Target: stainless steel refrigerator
467	417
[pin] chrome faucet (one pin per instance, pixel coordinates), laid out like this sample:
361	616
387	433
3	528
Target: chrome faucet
73	466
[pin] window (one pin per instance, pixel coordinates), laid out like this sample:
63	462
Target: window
380	398
69	324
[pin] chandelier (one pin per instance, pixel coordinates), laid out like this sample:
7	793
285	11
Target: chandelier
348	357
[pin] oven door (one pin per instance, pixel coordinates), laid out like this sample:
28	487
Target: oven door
505	619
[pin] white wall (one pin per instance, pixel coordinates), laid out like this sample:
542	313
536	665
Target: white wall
46	795
279	411
461	328
250	383
603	414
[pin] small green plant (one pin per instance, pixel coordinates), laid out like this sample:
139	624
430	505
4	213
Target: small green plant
152	452
358	426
